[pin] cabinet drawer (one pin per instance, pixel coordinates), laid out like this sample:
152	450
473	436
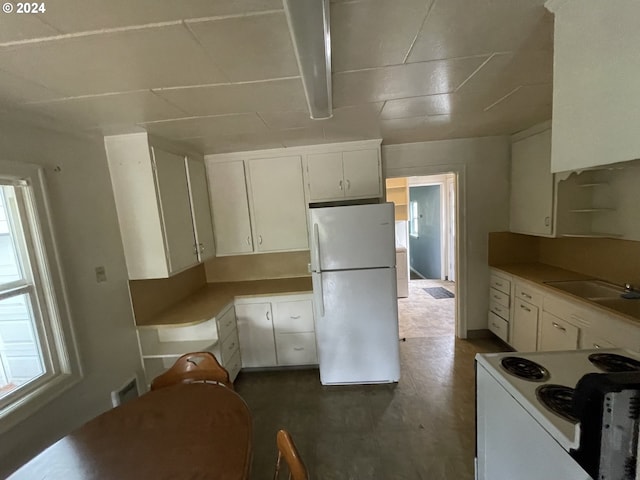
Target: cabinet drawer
556	334
529	294
227	323
296	349
499	309
500	283
293	317
229	346
233	366
498	326
499	297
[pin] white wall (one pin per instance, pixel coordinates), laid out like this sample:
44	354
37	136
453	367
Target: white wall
88	235
482	166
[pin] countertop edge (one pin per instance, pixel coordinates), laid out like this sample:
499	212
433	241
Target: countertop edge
214	298
558	274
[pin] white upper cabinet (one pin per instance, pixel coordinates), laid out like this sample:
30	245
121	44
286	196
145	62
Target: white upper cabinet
258	205
174	203
199	196
165	224
596	71
344	175
277	194
532	182
228	192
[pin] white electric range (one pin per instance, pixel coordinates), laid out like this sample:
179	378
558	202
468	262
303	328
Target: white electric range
519	435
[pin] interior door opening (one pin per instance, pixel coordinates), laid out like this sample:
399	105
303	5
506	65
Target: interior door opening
426	254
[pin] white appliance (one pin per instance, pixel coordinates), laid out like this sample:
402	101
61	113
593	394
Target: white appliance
518	433
354	286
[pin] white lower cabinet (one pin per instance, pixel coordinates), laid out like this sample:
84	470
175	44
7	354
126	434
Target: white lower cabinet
161	346
255	331
556	334
524	332
540	319
277	330
499	305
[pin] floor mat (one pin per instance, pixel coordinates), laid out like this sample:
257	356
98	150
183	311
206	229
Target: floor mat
439	292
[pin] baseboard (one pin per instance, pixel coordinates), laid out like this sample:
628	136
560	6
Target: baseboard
480	333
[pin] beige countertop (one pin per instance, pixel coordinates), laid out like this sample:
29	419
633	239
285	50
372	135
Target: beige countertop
539	273
211	299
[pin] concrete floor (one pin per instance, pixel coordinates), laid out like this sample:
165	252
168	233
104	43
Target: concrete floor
421	428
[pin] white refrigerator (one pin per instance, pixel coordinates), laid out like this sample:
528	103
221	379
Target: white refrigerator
354	287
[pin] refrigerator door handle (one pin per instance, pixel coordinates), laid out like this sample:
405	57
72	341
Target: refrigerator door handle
316	249
321	295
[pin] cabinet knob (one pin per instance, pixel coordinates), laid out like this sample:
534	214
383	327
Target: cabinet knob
348	184
547	221
268	319
248	240
525	308
294	317
558	326
260	239
298	349
340	184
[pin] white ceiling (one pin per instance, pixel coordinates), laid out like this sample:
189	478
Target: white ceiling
221	75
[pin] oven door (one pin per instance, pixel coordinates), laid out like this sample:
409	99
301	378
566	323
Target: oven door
510	444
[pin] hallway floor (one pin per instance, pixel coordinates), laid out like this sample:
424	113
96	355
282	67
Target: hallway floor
421	428
420	315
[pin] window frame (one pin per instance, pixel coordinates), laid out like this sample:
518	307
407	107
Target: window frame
413	221
47	287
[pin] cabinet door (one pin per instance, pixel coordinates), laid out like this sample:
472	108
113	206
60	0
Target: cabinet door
293	317
255	333
556	334
173	199
532	185
277	193
525	326
362	174
324	177
228	192
201	208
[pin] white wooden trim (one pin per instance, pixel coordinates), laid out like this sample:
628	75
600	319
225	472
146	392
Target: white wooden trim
459	169
292	151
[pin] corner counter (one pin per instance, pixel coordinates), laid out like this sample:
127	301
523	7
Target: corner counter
211	299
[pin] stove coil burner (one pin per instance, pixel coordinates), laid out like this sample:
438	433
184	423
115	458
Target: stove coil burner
525	369
558	399
613	363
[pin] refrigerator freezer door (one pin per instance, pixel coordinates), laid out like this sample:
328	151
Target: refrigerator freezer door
357	326
353	237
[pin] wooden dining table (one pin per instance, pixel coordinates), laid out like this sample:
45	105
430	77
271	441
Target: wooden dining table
194	431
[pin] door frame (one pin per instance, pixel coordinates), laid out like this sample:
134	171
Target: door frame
461	264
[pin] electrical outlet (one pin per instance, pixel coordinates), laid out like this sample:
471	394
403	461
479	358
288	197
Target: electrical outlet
101	274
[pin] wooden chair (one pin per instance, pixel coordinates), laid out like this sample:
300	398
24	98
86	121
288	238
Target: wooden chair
288	451
202	367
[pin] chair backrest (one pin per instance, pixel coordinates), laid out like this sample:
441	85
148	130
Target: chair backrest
288	451
194	367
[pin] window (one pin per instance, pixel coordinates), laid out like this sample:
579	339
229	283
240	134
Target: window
37	354
413	219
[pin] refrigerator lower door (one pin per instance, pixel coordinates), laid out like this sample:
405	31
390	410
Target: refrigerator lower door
357	326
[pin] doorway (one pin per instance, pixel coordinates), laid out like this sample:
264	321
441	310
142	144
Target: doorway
429	237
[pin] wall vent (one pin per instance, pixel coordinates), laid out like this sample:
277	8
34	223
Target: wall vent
127	392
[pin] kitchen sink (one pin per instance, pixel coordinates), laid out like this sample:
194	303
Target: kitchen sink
589	289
